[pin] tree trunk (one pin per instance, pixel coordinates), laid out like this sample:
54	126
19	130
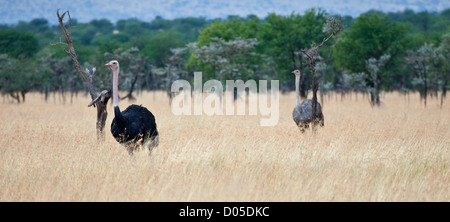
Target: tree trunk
101	101
314	87
46	92
15	95
169	81
303	89
298	65
375	93
133	82
23	92
444	90
425	87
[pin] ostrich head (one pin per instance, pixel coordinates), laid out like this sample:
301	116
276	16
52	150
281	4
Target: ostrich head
113	64
296	72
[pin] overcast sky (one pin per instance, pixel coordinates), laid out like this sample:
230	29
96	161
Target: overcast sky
12	11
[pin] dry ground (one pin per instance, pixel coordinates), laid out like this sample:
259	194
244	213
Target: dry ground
398	152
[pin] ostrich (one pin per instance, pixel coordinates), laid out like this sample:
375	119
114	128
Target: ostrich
302	113
135	126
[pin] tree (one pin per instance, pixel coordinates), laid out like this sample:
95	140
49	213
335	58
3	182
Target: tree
226	58
189	27
419	62
102	26
430	67
157	48
174	68
283	36
18	44
17	48
371	36
227	49
228	30
17	80
40	29
56	75
443	56
374	66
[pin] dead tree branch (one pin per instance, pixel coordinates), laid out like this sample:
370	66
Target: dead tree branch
99	101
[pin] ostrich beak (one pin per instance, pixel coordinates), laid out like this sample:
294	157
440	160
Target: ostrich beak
108	64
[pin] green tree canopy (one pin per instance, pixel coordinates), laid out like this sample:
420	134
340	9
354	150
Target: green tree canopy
18	44
370	36
157	48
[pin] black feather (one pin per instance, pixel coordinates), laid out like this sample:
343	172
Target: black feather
135	124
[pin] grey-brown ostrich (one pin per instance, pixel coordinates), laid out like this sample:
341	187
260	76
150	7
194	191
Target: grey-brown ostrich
302	113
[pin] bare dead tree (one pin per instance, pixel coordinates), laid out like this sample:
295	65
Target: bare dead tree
311	55
99	101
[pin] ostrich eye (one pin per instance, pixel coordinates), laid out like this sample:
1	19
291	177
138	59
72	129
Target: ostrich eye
114	63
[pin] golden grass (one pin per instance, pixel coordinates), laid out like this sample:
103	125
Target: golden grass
398	152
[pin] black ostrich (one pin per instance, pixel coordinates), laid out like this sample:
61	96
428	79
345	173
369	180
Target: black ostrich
302	113
135	126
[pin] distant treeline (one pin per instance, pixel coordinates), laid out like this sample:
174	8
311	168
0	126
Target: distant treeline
406	51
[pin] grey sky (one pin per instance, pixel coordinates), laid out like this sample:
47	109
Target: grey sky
12	11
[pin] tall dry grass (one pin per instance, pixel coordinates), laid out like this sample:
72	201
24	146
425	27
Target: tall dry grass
398	152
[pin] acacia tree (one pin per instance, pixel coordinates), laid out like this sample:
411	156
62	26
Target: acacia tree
172	71
227	58
56	75
371	35
174	68
443	56
18	44
420	61
18	48
430	67
374	67
16	80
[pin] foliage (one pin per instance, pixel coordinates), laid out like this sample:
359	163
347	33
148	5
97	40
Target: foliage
235	47
370	36
429	65
158	47
227	59
15	79
283	36
18	44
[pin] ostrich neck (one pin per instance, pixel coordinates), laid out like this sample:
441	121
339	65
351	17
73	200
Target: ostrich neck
119	118
297	90
116	87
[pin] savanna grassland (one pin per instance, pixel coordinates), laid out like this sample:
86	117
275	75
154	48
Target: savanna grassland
397	152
